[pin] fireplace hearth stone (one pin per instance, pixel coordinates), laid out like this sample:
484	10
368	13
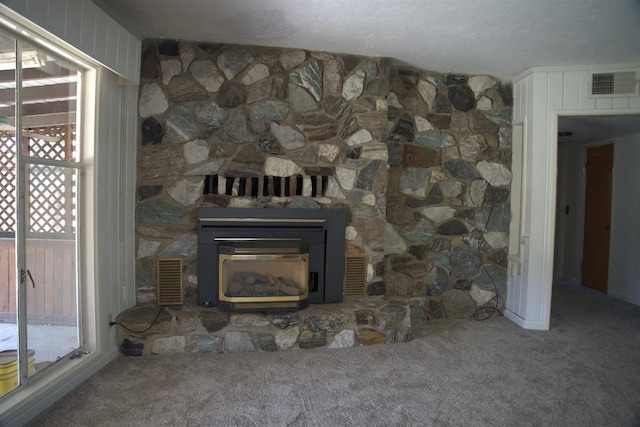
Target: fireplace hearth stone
195	329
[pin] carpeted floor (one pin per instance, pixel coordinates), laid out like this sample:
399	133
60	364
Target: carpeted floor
585	371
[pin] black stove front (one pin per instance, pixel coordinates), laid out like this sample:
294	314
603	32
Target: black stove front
270	259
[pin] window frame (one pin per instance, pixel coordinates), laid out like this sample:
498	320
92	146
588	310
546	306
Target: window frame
85	228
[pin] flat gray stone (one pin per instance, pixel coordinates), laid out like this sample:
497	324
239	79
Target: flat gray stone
269	110
495	174
204	344
169	345
152	101
465	262
185	191
249	320
354	85
232	62
414	182
210	114
287	338
184	246
238	342
288	137
343	339
196	151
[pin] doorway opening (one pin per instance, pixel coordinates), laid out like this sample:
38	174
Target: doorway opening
593	244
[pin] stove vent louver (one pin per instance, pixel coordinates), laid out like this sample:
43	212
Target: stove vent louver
611	84
169	284
355	285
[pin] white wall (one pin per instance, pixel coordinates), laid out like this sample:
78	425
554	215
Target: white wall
568	245
540	95
624	263
111	179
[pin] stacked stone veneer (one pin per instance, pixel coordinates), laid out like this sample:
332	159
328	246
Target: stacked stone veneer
420	160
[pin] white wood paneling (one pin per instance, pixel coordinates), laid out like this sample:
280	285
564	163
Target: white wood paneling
556	91
549	93
84	26
584	90
571	90
620	103
603	103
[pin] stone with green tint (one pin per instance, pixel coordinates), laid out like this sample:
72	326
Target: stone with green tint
500	218
421	233
309	76
435	139
439	259
269	110
158	213
493	278
364	211
180	124
502	117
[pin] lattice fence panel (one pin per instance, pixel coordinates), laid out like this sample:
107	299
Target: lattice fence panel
7	183
52	190
64	148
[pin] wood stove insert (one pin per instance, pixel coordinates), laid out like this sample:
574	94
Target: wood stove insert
270	259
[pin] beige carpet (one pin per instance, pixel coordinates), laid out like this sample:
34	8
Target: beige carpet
584	372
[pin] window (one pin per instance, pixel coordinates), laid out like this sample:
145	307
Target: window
41	168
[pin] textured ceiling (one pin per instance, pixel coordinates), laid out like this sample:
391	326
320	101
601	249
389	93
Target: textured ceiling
501	38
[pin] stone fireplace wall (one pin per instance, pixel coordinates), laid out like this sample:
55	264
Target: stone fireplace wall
418	159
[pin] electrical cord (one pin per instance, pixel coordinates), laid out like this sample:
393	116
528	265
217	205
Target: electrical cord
153	322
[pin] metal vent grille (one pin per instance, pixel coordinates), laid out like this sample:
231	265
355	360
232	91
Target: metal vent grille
169	281
355	277
623	83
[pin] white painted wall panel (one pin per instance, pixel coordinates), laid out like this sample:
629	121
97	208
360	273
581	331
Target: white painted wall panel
624	268
88	18
571	90
586	102
74	27
112	42
99	31
556	92
634	102
603	103
84	26
622	102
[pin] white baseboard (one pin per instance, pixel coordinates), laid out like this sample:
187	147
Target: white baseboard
526	324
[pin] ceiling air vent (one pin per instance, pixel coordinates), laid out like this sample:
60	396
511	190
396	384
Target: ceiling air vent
619	83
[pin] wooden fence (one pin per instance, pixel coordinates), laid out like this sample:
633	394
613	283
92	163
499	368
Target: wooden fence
52	264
